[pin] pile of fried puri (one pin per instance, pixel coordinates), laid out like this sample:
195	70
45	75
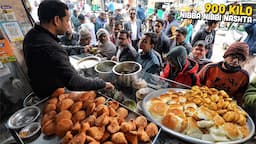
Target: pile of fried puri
202	112
84	118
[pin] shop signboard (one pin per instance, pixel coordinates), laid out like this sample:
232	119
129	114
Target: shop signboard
13	31
6	53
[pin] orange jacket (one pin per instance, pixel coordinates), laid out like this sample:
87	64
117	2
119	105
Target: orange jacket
232	82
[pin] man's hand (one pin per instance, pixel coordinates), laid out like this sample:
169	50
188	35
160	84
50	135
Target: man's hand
109	86
114	58
87	48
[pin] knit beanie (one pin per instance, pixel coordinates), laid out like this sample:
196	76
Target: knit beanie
84	33
237	48
177	56
102	31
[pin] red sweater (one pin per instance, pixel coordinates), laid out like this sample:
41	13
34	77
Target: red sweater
187	75
232	82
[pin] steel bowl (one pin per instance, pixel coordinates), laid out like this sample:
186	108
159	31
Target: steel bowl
23	117
30	132
31	99
126	73
104	70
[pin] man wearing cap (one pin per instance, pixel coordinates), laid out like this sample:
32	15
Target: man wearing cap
181	33
180	68
90	26
228	75
82	46
106	47
198	54
208	35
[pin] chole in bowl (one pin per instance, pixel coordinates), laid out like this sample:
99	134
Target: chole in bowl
30	132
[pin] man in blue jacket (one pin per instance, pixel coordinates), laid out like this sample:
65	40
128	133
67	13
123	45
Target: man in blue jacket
147	58
100	21
140	13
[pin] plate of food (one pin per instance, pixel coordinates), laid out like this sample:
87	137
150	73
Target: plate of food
90	117
199	115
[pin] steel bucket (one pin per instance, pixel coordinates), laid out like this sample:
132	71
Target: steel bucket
126	73
104	70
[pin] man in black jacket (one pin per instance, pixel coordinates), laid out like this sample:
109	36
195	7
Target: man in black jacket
48	63
163	43
180	38
208	35
125	51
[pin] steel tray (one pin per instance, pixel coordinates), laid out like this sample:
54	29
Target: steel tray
185	137
42	139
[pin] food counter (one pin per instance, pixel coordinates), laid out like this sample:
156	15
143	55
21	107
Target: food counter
121	94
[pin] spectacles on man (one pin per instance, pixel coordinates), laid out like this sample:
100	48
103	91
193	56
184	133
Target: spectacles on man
120	38
132	13
239	57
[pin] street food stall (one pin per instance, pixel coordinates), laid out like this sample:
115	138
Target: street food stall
172	111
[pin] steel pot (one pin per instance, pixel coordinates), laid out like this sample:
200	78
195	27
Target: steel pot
126	73
104	70
87	64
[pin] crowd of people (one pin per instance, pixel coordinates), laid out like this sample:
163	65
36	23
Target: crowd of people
167	50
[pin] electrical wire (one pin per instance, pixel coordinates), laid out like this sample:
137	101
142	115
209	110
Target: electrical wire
30	18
